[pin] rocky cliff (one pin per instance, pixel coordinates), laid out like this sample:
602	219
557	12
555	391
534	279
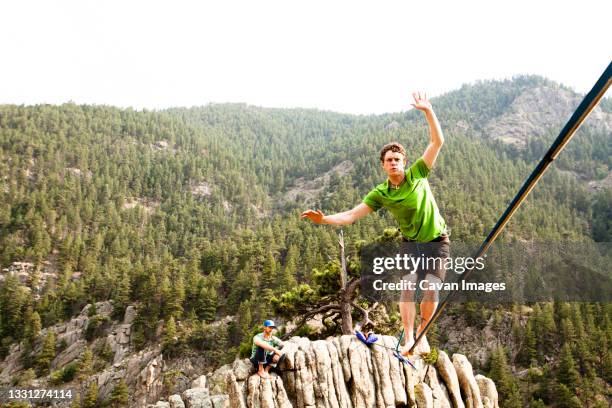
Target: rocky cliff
338	372
539	110
341	372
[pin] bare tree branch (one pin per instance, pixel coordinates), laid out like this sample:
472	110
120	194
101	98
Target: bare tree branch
304	318
366	313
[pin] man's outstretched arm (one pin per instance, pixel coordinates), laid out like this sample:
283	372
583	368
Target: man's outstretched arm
343	218
435	131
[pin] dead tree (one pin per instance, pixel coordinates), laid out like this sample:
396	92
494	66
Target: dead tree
339	307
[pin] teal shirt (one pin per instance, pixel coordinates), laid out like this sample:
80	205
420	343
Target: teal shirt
273	341
412	204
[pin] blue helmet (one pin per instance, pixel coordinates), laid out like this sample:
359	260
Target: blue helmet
269	323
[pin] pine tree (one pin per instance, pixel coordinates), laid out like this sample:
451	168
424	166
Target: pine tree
562	310
26	378
502	376
606	366
546	327
152	298
106	352
243	286
47	354
206	306
268	275
245	320
13	297
288	276
567	373
220	342
263	308
92	310
529	354
165	295
585	359
91	396
537	404
577	322
32	325
514	399
497	320
174	303
516	328
121	296
567	331
564	397
76	402
85	365
170	338
119	397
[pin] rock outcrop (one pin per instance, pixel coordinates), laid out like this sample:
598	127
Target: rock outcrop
341	372
488	392
467	382
539	110
308	191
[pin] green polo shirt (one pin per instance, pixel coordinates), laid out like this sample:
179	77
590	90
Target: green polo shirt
412	204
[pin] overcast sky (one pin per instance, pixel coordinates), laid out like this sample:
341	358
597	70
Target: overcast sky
347	56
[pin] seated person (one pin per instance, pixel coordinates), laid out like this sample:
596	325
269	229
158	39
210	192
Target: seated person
264	353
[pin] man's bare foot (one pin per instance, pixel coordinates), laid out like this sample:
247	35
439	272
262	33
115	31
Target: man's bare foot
405	349
263	374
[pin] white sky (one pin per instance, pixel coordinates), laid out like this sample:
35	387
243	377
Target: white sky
353	56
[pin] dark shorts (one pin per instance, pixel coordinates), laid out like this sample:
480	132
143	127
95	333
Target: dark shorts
261	357
433	255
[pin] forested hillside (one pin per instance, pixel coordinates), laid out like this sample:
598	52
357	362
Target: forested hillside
193	214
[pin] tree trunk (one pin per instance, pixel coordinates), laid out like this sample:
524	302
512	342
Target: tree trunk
345	297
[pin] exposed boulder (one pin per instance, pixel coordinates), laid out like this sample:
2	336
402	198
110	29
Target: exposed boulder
218	380
267	393
199	382
467	382
488	391
176	401
129	315
424	396
197	398
242	369
447	372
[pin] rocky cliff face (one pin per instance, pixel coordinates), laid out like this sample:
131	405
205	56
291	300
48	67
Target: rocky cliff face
341	372
539	110
72	333
338	372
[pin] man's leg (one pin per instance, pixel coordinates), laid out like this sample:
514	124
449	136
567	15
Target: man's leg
408	313
260	357
271	362
428	307
437	252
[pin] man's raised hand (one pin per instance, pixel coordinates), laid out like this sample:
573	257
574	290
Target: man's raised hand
314	216
420	102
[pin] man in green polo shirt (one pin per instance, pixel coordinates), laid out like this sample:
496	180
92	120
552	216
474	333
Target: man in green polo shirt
407	196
